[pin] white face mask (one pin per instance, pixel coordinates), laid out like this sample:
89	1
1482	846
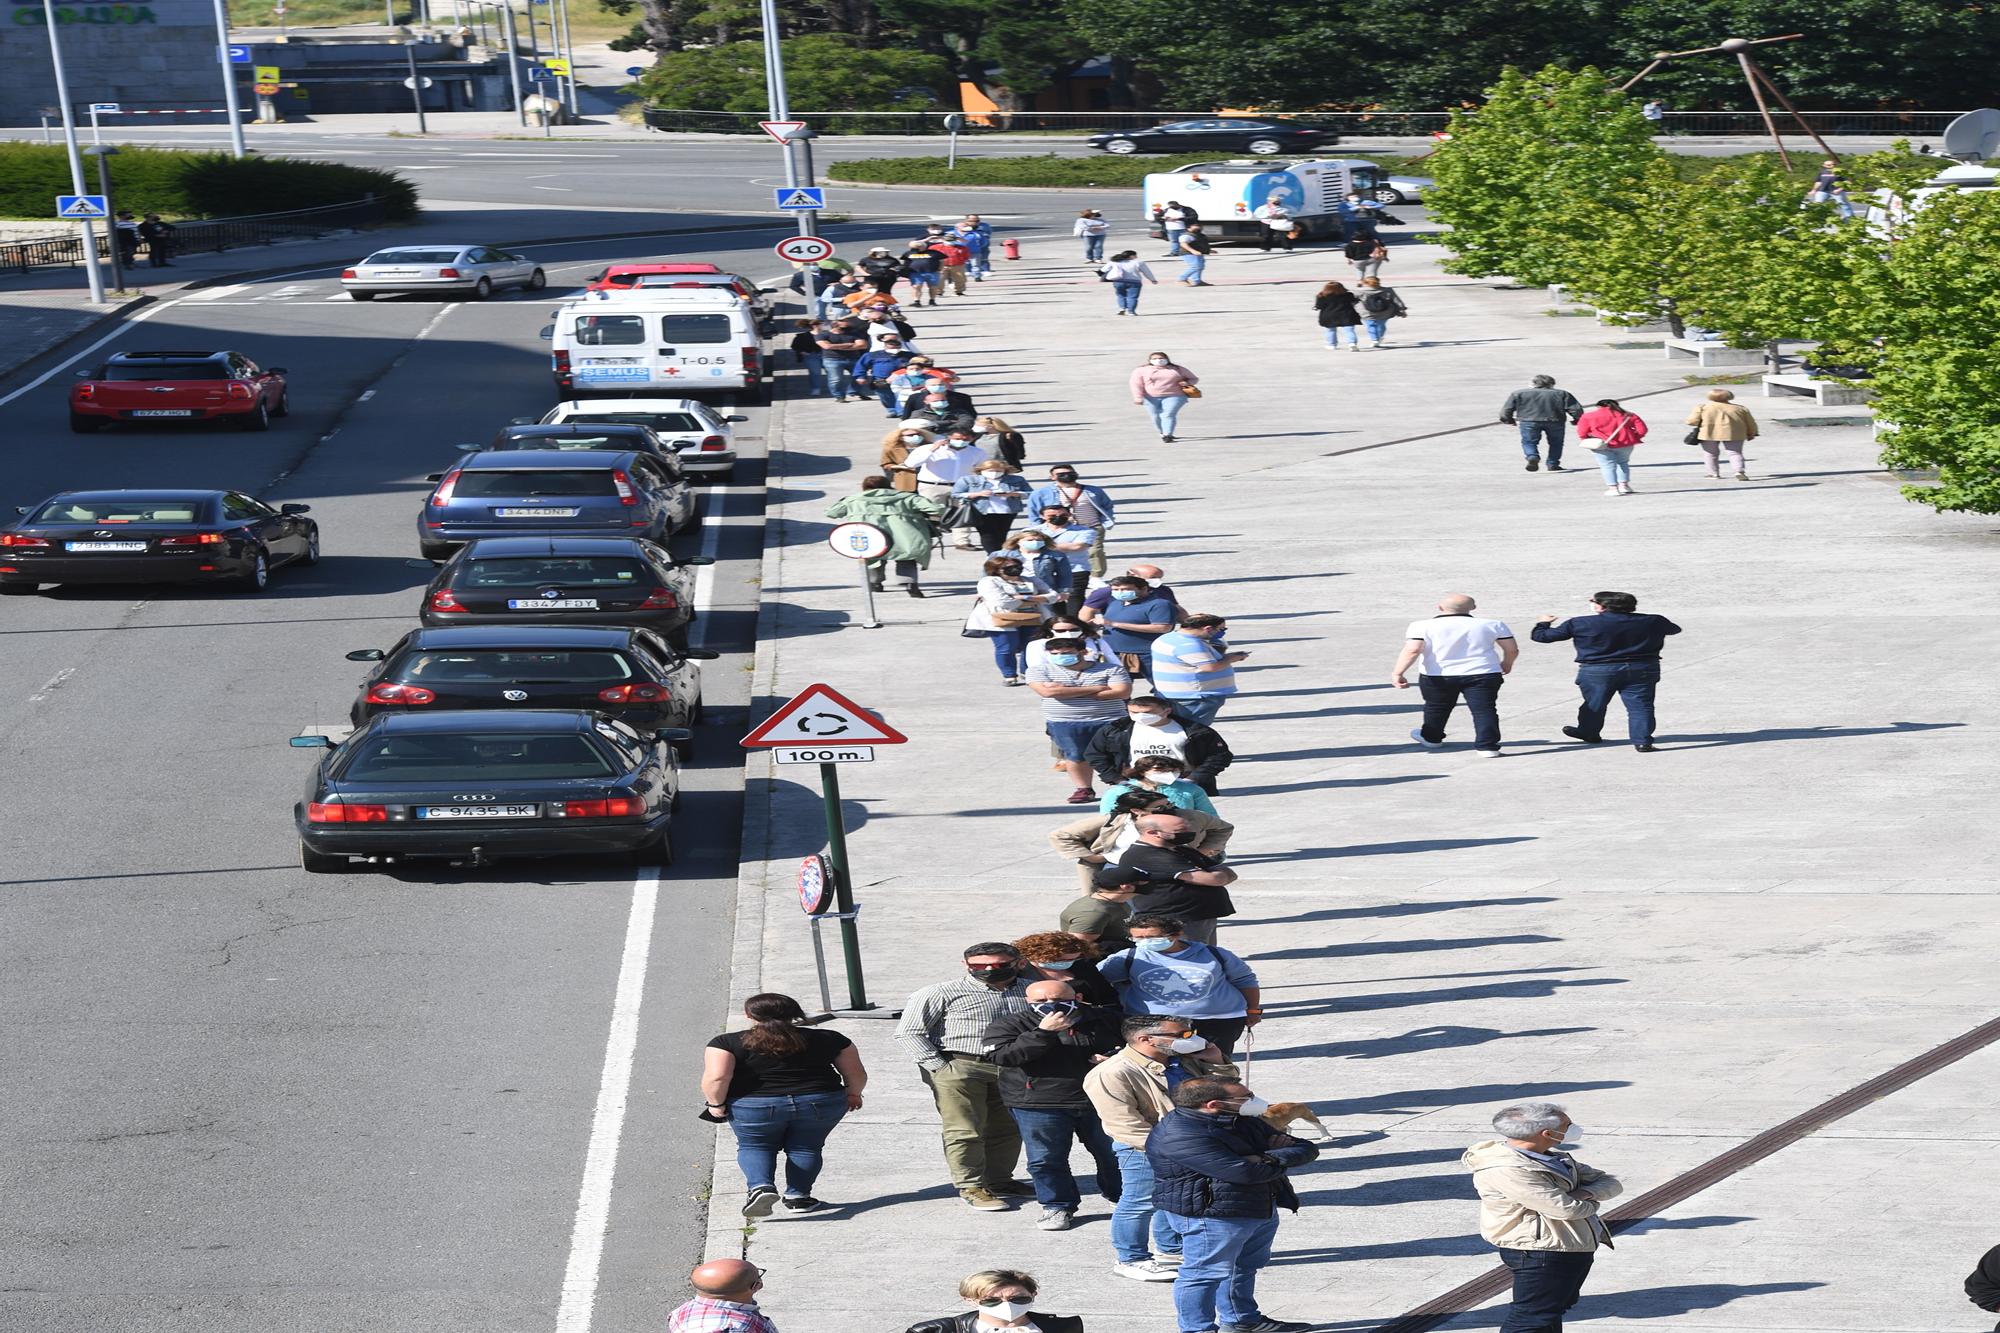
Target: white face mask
913	439
1162	776
1159	361
1150	719
1007	1310
1187	1045
1253	1106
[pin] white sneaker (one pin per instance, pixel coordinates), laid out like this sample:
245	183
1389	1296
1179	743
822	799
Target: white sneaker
1168	1261
1492	754
1055	1219
1146	1270
1417	735
1354	347
1613	490
1624	488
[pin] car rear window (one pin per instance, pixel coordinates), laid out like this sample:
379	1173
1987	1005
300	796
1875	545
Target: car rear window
594	571
610	330
119	511
567	443
476	757
411	257
694	328
534	481
659	421
166	370
515	667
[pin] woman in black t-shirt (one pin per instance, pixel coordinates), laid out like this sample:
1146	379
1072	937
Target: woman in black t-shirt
782	1088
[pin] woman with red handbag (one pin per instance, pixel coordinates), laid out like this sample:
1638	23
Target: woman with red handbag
1611	433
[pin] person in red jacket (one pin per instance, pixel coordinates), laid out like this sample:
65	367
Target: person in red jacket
954	258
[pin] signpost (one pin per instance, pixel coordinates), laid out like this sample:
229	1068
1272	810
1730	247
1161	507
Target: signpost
953	123
784	131
804	249
799	198
81	207
819	724
816	884
861	542
100	109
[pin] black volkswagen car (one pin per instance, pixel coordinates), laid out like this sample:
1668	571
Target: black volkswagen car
630	674
154	537
475	787
565	581
1233	134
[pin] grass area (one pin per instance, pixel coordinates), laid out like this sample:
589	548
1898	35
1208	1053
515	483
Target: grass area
589	20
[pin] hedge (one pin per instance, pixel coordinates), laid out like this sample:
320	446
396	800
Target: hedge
195	185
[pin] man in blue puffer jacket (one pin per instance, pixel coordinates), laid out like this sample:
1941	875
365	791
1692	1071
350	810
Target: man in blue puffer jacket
1219	1171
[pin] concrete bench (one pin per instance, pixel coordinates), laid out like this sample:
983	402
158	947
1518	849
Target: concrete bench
1709	354
1826	393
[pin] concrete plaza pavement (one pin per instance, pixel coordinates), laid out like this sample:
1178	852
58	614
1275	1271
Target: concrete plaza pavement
1686	948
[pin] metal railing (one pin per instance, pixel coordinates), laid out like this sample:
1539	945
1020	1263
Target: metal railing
205	236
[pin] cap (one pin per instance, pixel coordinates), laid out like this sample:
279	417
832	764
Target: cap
1119	877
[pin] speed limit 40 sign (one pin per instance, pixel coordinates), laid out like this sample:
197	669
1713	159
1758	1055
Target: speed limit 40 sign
804	249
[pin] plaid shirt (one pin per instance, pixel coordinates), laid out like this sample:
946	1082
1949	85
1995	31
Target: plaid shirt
953	1016
705	1314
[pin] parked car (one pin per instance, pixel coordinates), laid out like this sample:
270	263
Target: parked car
547	493
178	386
473	269
1223	133
565	581
618	276
698	431
1402	189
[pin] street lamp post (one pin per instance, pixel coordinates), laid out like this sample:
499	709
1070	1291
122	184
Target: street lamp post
513	59
236	148
569	54
75	161
103	152
798	148
416	85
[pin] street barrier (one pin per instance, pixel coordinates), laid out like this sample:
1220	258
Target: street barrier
205	236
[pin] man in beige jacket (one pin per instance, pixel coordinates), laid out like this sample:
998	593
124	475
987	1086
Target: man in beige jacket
1538	1206
1129	1090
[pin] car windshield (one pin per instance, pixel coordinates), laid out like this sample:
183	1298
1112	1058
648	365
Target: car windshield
565	443
118	511
514	667
694	328
659	421
590	571
538	481
411	257
166	370
476	757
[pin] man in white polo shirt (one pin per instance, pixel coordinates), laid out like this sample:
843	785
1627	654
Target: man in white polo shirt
1463	656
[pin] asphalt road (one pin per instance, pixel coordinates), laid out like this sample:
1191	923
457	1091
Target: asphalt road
242	1100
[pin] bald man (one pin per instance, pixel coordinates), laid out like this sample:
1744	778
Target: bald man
1463	656
725	1300
1100	598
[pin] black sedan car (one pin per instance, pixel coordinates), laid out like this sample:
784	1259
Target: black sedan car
1223	133
475	787
565	581
630	674
154	537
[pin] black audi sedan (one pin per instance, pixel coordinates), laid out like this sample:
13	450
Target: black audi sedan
633	675
222	537
1234	134
476	787
565	581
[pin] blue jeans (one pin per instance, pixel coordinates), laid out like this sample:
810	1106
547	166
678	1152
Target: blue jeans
1535	431
1203	707
815	368
1220	1257
1093	249
1047	1132
1546	1284
839	375
979	265
1070	738
1482	699
1616	465
1010	647
795	1126
1174	235
1377	328
1192	265
1165	410
1135	1222
1127	294
1352	332
887	397
1632	682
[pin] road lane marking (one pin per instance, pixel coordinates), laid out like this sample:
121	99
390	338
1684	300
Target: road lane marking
217	293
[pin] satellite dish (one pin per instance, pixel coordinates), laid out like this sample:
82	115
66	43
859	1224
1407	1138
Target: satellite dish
1974	135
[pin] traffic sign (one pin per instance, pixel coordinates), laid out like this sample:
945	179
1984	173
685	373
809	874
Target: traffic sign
815	885
413	84
820	716
81	207
784	131
236	55
800	198
804	249
856	541
104	108
267	73
556	65
635	70
826	754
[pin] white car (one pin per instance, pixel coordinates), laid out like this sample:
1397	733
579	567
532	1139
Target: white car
1402	189
700	435
473	269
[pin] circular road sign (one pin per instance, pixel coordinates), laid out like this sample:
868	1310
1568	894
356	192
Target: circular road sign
804	249
858	541
815	885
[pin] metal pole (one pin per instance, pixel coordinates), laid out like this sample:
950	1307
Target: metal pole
819	965
48	135
388	14
1750	77
513	60
867	587
96	132
75	160
416	87
798	153
569	54
843	886
1786	103
236	148
110	221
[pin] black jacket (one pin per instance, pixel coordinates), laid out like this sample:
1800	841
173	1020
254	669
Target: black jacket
1222	1166
1110	750
1982	1288
1197	241
969	1323
1338	312
877	266
1611	637
1039	1068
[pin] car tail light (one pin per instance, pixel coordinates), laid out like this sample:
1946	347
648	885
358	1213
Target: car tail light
194	539
633	694
447	273
660	599
349	273
387	692
339	812
442	495
749	363
562	363
86	391
613	808
626	495
21	539
712	444
444	600
238	389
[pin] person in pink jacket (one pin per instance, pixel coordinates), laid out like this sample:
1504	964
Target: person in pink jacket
1611	433
1161	387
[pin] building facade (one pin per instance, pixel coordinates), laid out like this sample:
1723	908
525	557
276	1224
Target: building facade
152	57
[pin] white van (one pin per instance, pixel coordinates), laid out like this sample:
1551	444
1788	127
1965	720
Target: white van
1226	195
677	341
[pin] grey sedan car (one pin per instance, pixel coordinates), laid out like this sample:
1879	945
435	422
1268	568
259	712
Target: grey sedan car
474	270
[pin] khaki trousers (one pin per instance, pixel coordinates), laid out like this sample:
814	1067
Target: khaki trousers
981	1143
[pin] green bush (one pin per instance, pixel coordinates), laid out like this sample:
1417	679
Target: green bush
195	185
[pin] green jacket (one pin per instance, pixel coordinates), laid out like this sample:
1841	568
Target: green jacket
908	518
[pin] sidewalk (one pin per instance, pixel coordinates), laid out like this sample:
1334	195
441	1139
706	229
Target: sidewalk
1687	948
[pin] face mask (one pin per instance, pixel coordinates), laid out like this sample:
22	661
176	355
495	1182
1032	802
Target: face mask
1183	838
1571	1135
1252	1106
1149	719
990	973
1034	546
1055	518
1159	361
1187	1045
1162	776
913	439
1064	659
1047	1007
1157	945
1060	965
1007	1310
1065	477
960	444
1124	595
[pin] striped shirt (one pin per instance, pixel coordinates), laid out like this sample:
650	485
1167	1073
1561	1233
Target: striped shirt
1176	654
705	1314
952	1016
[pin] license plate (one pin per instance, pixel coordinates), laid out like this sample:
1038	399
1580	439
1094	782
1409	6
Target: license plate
551	603
478	811
640	373
613	361
163	412
104	546
537	513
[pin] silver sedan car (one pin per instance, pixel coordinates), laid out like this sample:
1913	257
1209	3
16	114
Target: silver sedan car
472	269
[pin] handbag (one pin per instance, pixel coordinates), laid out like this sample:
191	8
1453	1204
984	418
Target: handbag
1693	436
1190	391
1014	619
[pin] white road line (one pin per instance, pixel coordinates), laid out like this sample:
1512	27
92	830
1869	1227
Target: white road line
559	189
217	293
607	1124
365	396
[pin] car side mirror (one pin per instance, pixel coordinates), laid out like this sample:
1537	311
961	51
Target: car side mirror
674	735
548	331
523	421
295	509
83	374
466	449
597	276
311	743
736	418
365	655
20	509
701	654
433	476
697	560
431	565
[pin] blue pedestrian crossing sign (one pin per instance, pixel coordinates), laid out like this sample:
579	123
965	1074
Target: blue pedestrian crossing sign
81	207
800	198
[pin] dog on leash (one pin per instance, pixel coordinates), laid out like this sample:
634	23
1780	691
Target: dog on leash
1283	1115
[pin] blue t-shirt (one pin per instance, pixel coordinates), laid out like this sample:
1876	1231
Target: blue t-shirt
1176	654
1201	981
1152	610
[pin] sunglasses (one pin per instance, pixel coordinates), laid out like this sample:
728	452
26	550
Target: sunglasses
992	1302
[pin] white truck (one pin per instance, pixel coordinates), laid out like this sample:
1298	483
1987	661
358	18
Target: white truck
1228	194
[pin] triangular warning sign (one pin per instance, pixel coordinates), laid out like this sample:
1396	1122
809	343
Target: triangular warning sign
820	715
83	207
799	199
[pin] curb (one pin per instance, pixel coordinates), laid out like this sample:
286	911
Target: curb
109	313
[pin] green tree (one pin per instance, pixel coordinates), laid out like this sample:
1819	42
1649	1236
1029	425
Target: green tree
1009	52
823	72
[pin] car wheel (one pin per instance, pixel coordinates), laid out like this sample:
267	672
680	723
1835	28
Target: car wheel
284	407
1121	147
13	588
311	557
258	576
319	863
659	852
362	296
1265	147
84	425
1389	194
260	419
537	280
482	289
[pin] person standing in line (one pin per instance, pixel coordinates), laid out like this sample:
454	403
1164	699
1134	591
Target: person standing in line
1722	427
944	1029
1151	729
725	1300
882	268
1219	1175
840	346
940	466
1000	1297
781	1087
1091	228
833	301
1367	254
953	256
1089	507
1096	840
1612	433
1160	774
873	368
996	496
1078	697
1174	219
921	265
1190	887
1133	1091
1002	614
1161	387
1339	313
1043	1055
1125	272
159	238
895	455
1539	1207
1379	305
1982	1285
1276	220
1132	619
1540	411
1195	250
1100	916
1069	542
1193	667
1617	652
1054	955
910	520
1009	444
1155	577
805	352
1463	657
977	238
